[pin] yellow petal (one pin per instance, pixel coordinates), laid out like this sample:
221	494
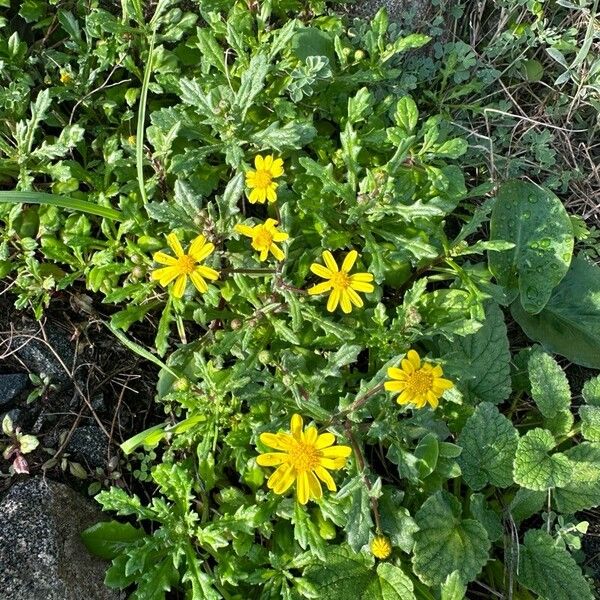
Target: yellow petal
333	464
405	397
256	195
362	277
349	261
321	271
320	288
330	261
280	236
165	275
196	246
259	162
296	424
437	371
333	301
326	478
164	259
179	287
271	459
264	254
444	384
361	286
407	366
310	435
432	399
269	225
394	386
324	440
199	282
277	168
314	487
337	452
244	230
175	245
261	194
207	272
203	252
277	252
396	373
345	301
268	162
279	441
281	479
354	298
413	357
302	489
270	193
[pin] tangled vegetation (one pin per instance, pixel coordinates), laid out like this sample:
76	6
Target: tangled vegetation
301	210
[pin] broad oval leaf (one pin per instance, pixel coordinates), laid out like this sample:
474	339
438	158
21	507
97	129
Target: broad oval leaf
535	220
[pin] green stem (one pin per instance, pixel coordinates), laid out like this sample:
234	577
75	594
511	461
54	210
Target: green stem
139	138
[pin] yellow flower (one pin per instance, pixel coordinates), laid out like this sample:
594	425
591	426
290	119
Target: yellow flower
304	458
261	181
181	266
131	140
65	77
417	382
264	237
381	547
343	286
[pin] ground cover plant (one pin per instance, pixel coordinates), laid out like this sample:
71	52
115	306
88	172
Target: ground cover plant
326	276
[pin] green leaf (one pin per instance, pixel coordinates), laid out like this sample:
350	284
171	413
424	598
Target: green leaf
583	490
252	82
407	114
572	313
489	442
446	542
346	574
590	422
311	41
62	202
453	588
108	539
396	521
306	532
549	385
526	503
482	511
480	363
591	391
292	136
210	49
359	523
549	570
535	468
535	220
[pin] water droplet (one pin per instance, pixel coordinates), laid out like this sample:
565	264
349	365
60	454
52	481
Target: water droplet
545	243
534	245
566	257
533	199
531	293
526	214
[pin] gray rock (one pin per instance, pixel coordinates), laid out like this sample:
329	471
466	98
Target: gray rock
89	445
11	387
41	554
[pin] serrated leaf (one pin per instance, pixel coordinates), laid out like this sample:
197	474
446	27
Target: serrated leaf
252	83
348	575
480	363
572	313
536	221
489	442
396	521
407	114
526	503
360	522
591	391
291	136
583	490
549	570
549	386
535	468
446	542
306	533
590	422
481	510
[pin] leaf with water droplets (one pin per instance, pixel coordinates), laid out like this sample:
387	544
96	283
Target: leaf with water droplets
535	220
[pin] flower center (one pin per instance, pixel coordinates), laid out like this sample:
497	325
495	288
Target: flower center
340	280
303	457
186	264
263	239
420	382
263	179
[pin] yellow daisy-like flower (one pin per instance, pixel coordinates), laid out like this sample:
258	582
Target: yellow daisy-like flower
304	457
182	265
417	382
261	181
65	77
342	285
381	547
264	237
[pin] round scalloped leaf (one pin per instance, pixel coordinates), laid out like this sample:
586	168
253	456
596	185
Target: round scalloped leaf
446	542
549	385
536	221
489	442
549	570
583	490
535	468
